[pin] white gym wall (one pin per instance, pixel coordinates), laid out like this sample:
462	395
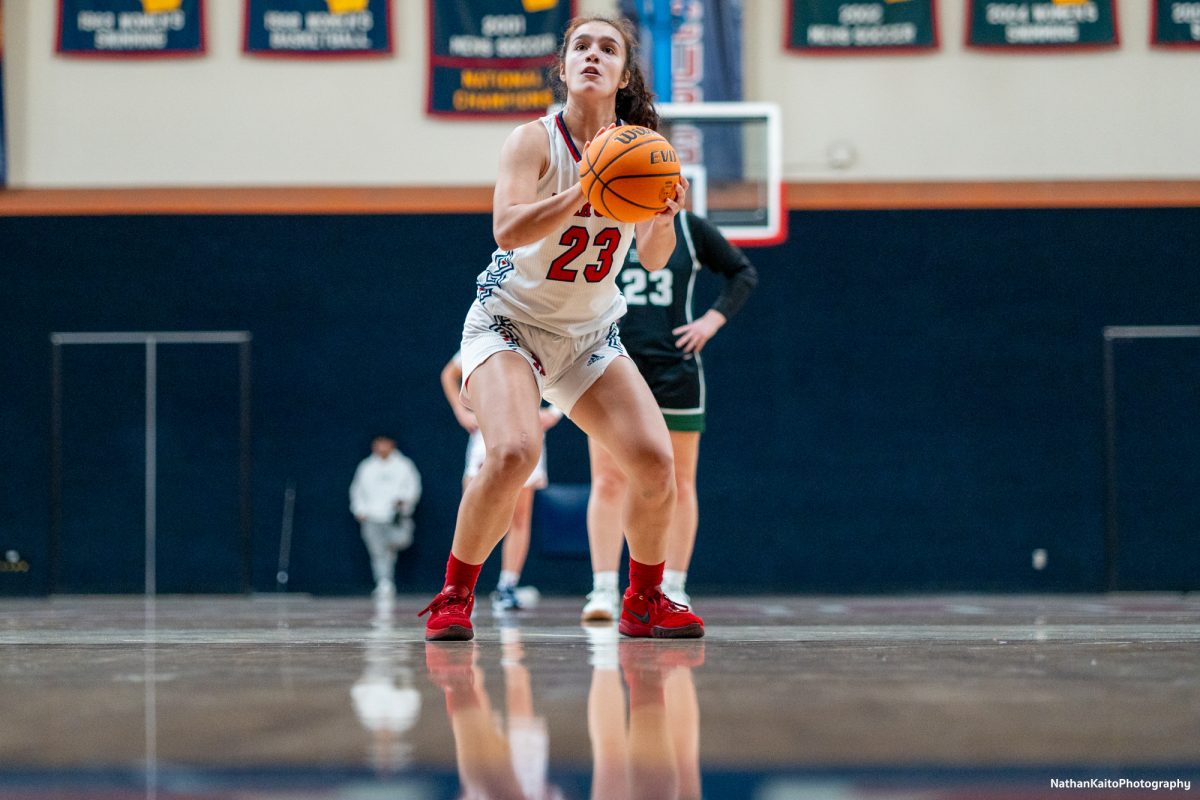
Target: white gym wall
230	120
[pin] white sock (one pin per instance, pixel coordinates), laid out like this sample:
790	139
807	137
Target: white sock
604	580
508	579
673	580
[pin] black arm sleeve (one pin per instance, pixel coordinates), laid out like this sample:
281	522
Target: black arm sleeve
716	253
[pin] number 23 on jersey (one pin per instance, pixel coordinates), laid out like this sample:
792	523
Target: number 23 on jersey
639	286
576	239
647	288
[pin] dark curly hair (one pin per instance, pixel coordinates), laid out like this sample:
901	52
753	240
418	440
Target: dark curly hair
635	103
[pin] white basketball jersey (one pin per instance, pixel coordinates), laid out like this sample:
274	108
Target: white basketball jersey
565	283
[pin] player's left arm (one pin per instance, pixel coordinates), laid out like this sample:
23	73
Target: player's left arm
715	252
656	236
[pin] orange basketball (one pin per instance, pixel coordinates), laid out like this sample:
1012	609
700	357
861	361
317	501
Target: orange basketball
628	173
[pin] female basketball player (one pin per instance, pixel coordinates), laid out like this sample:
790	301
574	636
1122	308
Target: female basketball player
665	342
544	325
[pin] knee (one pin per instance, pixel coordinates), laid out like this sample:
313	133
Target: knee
609	487
513	460
685	488
654	473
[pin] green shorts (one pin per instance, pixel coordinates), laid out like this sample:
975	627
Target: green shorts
678	388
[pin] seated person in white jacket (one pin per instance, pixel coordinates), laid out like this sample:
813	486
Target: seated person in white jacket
383	496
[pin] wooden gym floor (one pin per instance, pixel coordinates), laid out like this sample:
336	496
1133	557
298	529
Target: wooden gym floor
786	697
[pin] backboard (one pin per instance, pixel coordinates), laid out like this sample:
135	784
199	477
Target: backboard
731	154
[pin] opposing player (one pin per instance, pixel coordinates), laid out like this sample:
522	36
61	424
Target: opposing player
665	341
544	325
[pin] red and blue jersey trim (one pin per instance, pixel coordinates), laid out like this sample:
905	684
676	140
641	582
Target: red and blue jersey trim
562	128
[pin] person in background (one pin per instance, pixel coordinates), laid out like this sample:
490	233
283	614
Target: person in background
383	496
515	547
386	702
664	340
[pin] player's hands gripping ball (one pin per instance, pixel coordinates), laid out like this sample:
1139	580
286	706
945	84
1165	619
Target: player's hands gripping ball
629	173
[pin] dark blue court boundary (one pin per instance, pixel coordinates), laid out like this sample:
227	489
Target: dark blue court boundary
180	782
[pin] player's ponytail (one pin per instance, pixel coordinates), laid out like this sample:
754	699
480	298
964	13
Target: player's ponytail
635	103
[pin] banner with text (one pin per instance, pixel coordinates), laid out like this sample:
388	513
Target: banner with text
706	40
318	28
836	26
1175	24
131	28
1049	25
490	58
3	157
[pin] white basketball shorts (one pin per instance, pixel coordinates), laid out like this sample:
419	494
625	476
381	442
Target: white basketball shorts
565	367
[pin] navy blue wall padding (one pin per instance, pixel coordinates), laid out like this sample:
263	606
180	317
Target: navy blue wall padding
1158	462
560	520
912	401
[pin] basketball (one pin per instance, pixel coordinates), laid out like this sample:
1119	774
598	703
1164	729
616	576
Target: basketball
628	173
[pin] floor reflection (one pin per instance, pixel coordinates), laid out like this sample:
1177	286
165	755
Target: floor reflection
499	754
386	701
645	744
643	719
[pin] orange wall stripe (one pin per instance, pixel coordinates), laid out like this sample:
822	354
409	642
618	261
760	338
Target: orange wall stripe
478	199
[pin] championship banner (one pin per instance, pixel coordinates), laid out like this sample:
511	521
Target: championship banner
1049	25
131	28
836	26
1174	23
318	28
490	58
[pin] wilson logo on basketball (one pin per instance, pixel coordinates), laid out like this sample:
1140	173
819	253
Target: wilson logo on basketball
630	133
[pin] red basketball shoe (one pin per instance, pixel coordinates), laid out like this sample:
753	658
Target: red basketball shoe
450	615
656	616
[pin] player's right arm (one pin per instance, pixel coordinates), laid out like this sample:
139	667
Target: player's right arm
518	217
